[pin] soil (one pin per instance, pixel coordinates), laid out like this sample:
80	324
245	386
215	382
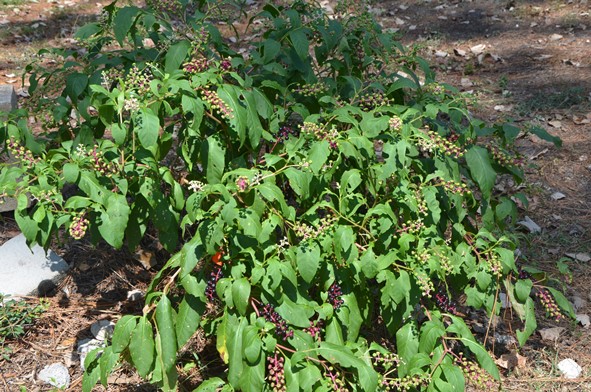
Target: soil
527	61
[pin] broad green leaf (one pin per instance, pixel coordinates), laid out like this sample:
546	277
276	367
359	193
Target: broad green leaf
530	323
252	378
122	333
368	378
123	21
252	344
562	302
188	318
114	220
107	362
210	385
241	294
166	343
175	55
523	289
481	170
141	347
431	332
318	155
147	127
407	345
234	332
295	313
308	261
92	372
75	84
454	377
213	154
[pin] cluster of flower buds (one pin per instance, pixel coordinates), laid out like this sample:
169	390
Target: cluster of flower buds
338	384
372	101
320	133
454	187
504	158
494	263
285	131
19	152
434	88
281	328
196	186
475	375
242	184
315	329
99	162
334	296
166	7
110	77
425	284
311	89
139	81
395	124
131	105
407	383
436	142
276	377
217	105
195	66
445	303
385	361
78	226
411	227
307	232
215	275
549	305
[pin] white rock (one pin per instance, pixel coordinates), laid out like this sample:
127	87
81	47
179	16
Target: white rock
102	329
555	37
440	53
569	368
584	320
579	303
551	334
56	375
85	346
7	98
530	225
478	49
135	295
582	257
557	196
28	271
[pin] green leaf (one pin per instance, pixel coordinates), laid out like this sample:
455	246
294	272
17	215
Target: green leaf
523	289
241	294
481	170
368	378
252	344
308	261
71	172
175	55
92	372
407	345
210	385
234	332
318	155
530	323
122	333
300	43
454	377
544	135
431	332
141	347
123	21
295	313
562	302
148	128
75	84
107	362
114	220
166	343
119	133
188	318
252	378
213	154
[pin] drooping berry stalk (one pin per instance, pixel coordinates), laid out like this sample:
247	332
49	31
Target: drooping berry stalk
214	277
276	375
281	328
334	296
549	305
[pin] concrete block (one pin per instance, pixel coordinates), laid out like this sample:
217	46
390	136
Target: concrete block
7	98
28	271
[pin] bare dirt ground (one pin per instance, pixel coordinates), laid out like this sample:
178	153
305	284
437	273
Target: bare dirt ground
528	61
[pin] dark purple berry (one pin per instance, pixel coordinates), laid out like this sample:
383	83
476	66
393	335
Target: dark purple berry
216	274
281	328
334	296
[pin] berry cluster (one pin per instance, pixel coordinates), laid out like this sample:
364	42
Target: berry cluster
131	105
505	158
425	284
320	133
276	377
285	131
395	123
494	263
109	77
139	80
195	66
167	7
307	232
215	275
311	89
454	187
445	303
411	227
281	327
374	100
334	296
475	375
226	64
385	361
242	184
338	384
549	305
453	137
99	163
436	142
434	88
78	226
405	384
217	105
19	152
315	329
523	274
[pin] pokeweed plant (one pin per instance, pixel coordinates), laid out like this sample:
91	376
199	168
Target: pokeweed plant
324	199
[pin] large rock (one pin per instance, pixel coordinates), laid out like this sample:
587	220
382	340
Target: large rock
7	98
28	271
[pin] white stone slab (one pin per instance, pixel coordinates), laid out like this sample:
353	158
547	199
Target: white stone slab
25	271
7	98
